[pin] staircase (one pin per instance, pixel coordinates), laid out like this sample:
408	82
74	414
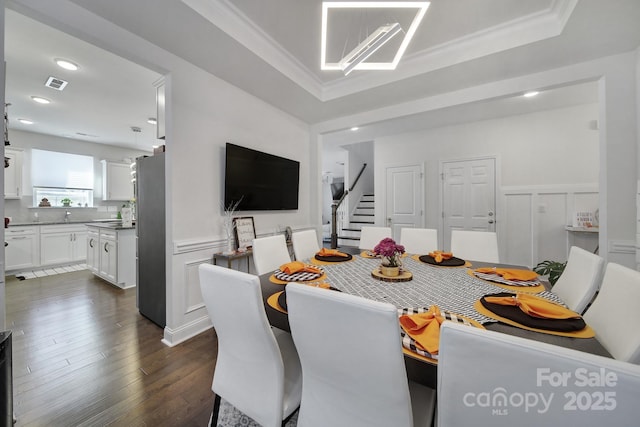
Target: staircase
363	215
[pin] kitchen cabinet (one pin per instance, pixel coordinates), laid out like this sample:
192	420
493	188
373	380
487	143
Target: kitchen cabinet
62	244
21	251
111	254
13	174
93	250
116	181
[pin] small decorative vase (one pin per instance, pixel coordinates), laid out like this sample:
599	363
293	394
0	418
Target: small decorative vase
389	271
230	246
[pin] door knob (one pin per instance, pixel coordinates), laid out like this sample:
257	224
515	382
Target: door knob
491	221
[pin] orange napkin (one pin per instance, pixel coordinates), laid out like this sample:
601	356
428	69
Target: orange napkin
535	306
424	328
438	256
297	267
331	252
510	273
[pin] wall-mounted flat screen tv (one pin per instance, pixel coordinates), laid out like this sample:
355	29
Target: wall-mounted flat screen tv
261	181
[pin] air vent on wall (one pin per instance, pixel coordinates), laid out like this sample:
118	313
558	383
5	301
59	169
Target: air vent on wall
55	83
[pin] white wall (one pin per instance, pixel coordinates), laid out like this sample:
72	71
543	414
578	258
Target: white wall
203	113
550	149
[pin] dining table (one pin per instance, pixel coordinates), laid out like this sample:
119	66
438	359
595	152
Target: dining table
455	289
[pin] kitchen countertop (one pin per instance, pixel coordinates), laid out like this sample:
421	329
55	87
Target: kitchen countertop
112	224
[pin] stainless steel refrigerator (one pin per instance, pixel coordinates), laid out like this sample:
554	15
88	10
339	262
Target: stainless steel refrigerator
150	228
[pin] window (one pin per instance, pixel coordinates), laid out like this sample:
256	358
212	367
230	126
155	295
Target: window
57	176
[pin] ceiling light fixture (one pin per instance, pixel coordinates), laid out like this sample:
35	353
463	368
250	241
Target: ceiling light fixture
67	65
368	46
531	94
355	128
40	100
152	121
25	121
329	7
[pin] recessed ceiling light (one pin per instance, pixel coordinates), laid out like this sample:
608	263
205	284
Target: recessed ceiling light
40	100
67	65
25	121
531	94
355	128
152	121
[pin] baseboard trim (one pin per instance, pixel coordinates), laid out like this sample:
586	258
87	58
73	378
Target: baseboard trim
173	337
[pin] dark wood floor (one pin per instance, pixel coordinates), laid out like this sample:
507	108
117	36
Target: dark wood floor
84	356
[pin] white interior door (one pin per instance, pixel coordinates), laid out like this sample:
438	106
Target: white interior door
468	196
404	198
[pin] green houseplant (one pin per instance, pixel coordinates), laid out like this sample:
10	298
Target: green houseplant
66	201
552	269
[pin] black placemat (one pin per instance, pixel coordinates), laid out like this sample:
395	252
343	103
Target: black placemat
334	258
514	313
451	262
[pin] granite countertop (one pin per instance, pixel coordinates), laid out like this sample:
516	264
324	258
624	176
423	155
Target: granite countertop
113	224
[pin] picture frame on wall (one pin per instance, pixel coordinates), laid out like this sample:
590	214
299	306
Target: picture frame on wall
245	231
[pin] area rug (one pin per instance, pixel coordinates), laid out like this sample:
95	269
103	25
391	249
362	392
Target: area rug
32	274
229	416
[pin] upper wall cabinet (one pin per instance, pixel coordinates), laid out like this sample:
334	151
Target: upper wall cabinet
13	174
116	181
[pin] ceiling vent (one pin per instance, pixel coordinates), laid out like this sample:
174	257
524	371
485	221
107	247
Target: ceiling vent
56	83
136	129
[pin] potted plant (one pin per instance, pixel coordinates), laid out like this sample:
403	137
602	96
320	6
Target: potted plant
390	253
552	269
66	202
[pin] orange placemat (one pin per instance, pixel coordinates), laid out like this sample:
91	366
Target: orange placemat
273	302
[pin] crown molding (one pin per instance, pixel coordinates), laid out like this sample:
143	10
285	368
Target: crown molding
224	15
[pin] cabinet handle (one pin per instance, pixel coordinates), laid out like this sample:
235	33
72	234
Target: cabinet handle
106	247
91	242
19	238
17	231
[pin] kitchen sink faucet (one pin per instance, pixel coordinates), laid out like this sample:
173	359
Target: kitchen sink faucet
67	214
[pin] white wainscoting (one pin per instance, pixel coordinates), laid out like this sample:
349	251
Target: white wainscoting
531	226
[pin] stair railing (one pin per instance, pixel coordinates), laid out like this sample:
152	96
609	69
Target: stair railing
334	209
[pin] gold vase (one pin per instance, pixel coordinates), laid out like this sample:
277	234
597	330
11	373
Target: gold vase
389	271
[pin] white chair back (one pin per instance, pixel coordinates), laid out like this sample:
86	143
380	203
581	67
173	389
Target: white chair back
371	236
580	280
269	253
256	371
475	245
351	357
419	241
305	244
493	379
615	315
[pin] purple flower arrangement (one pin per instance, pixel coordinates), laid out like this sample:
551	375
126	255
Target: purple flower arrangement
388	249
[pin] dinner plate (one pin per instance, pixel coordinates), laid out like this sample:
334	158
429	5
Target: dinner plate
302	276
451	262
334	258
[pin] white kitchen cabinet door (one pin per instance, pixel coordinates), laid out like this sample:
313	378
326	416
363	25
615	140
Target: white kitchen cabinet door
56	248
116	181
93	251
21	251
13	174
79	246
108	258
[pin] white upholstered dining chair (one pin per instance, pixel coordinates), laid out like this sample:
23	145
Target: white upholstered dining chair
352	362
269	253
371	236
475	245
305	244
419	241
257	367
615	314
580	280
487	378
